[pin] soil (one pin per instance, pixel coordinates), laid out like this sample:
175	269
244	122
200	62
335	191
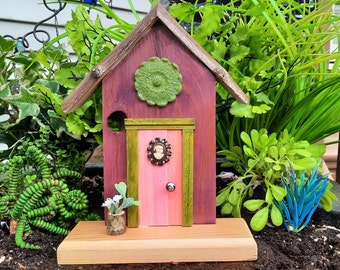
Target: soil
315	247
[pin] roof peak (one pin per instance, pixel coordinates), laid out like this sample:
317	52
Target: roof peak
85	89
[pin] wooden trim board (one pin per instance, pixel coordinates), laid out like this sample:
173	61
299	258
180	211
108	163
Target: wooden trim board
228	240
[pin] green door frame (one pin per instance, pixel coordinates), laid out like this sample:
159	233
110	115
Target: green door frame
187	125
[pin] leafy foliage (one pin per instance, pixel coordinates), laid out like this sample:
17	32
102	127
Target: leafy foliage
37	194
276	52
260	163
303	197
33	85
91	42
32	105
45	148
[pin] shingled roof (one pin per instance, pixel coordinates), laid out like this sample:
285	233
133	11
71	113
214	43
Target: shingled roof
158	14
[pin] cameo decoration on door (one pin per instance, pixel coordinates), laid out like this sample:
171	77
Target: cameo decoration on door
159	151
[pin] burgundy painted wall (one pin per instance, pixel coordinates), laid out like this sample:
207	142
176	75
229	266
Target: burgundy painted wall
197	100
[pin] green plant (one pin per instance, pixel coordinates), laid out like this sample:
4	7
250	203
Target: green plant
36	194
91	42
33	85
260	162
31	108
279	59
114	205
303	197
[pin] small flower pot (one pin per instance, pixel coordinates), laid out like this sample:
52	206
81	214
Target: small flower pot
116	223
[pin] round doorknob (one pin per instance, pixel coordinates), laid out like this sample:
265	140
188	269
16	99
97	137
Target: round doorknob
170	186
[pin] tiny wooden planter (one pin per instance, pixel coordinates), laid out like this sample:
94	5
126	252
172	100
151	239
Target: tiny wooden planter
116	223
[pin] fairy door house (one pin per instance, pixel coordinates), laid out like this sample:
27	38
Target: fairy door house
158	109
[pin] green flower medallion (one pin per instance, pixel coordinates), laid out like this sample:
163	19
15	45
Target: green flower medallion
158	81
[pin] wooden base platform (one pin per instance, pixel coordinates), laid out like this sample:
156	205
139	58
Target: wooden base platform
228	240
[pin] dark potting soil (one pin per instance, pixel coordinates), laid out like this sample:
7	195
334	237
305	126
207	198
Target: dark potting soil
315	247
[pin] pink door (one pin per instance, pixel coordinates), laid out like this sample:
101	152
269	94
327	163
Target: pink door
160	177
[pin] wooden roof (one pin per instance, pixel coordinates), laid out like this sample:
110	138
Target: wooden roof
85	89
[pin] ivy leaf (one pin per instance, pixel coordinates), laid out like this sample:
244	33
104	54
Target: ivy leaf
24	60
7	45
42	59
49	90
5	90
25	102
58	123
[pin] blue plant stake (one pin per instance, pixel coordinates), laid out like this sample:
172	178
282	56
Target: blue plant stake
91	2
302	199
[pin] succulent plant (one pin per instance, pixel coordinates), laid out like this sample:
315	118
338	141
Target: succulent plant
304	194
